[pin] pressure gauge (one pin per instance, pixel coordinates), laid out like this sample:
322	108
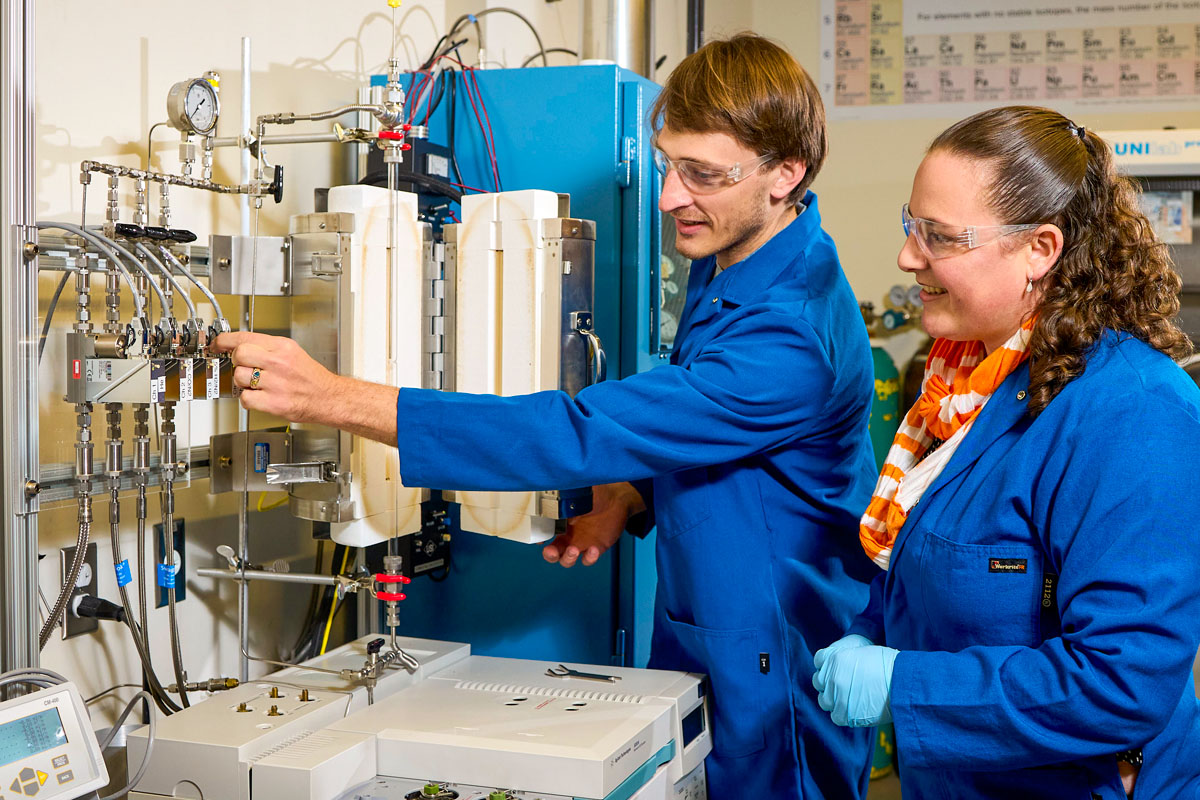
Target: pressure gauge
914	296
193	106
896	296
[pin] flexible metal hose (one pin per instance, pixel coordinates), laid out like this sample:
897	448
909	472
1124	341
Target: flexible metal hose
68	587
141	558
161	698
169	558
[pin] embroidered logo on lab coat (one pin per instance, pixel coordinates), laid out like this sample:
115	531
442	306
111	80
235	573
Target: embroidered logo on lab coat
1007	565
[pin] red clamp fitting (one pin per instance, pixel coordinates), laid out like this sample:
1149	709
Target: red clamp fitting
392	134
389	580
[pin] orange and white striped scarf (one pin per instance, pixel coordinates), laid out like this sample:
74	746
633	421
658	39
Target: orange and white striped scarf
959	380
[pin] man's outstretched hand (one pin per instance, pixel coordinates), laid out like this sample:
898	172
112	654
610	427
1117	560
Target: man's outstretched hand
292	385
590	535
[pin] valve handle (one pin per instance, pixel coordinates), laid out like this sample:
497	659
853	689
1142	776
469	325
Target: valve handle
374	646
276	186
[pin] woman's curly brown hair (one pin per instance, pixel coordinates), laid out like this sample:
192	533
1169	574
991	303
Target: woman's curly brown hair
1113	274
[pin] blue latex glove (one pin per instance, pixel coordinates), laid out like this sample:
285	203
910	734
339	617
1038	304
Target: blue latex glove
858	686
822	658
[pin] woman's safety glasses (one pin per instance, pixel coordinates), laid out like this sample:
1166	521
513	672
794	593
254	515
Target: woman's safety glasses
940	240
706	178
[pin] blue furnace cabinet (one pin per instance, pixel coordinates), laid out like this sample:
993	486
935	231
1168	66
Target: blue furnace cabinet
583	131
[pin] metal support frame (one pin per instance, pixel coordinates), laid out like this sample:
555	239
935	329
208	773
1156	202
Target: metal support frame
18	341
695	25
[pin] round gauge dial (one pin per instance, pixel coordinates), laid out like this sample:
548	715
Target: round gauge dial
896	296
193	106
914	296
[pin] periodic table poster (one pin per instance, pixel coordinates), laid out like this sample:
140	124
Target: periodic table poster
903	58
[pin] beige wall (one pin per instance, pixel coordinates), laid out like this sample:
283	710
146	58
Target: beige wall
869	171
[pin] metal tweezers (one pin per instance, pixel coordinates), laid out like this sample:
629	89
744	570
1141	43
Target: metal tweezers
563	671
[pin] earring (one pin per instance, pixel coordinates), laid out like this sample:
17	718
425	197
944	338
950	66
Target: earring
1029	286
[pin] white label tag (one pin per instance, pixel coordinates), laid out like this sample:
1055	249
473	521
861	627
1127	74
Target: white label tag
185	380
158	382
213	376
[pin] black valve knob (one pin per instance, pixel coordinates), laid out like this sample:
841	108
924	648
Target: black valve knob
128	230
276	186
157	234
374	646
182	236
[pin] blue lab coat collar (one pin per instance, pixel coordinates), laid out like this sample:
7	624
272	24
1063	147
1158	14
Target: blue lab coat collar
747	279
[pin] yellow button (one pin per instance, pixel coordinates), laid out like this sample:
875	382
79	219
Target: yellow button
42	777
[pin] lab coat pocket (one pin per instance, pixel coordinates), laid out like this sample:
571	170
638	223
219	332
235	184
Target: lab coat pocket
682	501
730	658
981	594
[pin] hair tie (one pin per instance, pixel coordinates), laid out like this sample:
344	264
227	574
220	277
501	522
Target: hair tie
1078	130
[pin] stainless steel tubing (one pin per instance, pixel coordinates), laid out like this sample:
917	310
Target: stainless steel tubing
264	575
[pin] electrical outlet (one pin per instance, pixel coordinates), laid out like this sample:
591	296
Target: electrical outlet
180	562
85	583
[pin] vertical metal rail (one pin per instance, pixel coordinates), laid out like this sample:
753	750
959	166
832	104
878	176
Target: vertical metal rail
243	590
695	25
18	341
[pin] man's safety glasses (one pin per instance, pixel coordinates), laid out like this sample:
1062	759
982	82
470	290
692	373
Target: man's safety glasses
706	178
940	240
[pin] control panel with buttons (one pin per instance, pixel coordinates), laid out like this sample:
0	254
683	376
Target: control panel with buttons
47	747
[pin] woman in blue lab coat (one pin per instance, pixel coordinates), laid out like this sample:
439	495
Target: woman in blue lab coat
1034	633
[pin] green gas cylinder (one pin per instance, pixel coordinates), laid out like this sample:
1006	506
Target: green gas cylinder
885	404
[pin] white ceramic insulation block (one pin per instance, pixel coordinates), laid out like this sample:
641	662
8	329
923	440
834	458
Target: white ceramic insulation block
385	506
505	335
477	285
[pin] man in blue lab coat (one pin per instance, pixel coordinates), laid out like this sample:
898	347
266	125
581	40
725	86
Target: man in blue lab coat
749	451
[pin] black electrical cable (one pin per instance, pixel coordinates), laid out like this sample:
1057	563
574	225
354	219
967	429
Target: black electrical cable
445	570
435	185
314	598
566	50
475	19
313	630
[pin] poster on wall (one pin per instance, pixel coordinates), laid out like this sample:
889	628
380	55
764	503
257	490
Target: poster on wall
905	58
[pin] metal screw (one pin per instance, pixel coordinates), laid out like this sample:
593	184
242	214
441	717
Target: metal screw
32	488
32	250
223	263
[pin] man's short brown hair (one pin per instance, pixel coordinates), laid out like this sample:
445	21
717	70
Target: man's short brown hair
752	89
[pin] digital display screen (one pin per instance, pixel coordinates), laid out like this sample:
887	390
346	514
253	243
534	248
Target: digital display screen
693	725
31	735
